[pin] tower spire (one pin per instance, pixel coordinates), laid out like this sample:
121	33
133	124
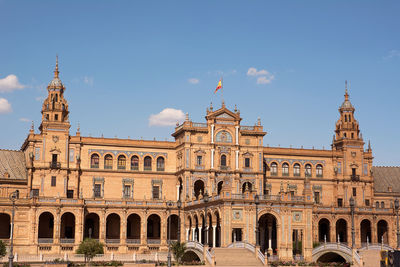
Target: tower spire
346	94
56	72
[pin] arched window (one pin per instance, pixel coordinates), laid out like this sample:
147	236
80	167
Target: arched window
94	161
285	169
382	205
247	162
121	162
134	163
296	169
147	163
308	170
108	162
160	164
320	172
223	137
223	161
274	168
377	204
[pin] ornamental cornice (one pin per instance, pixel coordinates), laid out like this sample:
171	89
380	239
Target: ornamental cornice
292	161
128	153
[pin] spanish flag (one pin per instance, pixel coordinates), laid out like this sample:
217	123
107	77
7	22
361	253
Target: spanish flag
219	86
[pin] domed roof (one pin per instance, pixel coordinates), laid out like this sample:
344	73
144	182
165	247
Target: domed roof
346	104
56	82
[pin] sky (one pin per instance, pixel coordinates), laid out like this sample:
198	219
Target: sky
134	68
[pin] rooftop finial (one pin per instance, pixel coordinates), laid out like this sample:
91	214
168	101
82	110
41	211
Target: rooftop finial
235	108
258	121
369	145
187	117
32	127
56	72
346	95
223	103
211	107
78	130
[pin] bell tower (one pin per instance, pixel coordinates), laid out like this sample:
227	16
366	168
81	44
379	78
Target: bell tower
347	130
55	107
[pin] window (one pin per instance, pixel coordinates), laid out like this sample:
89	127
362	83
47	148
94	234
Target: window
94	161
127	191
382	205
274	168
377	204
223	137
316	197
156	192
54	158
53	180
296	169
367	202
121	162
354	192
70	193
285	169
56	117
308	170
97	190
319	170
135	163
247	162
108	162
199	160
35	192
340	202
223	161
339	167
291	194
147	163
160	164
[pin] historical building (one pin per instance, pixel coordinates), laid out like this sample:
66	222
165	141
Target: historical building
215	182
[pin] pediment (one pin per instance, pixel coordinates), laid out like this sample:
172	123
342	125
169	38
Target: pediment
225	116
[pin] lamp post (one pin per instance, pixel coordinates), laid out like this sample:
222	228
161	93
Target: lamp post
257	201
13	197
353	234
396	206
169	204
205	197
179	205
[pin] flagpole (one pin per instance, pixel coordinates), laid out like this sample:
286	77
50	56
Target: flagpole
222	90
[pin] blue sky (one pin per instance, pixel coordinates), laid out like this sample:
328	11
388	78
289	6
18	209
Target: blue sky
123	61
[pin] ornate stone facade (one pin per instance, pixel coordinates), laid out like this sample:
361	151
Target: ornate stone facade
118	190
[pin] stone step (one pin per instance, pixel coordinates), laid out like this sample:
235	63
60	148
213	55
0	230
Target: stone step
371	258
235	257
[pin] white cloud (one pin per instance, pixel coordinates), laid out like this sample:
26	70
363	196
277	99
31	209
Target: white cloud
88	80
253	72
392	53
265	79
5	106
193	80
24	120
10	83
167	117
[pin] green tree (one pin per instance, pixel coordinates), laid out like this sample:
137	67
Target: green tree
3	250
178	249
90	247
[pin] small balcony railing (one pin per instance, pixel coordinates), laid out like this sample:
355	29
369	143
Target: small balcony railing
108	167
224	168
94	166
55	165
134	168
133	241
45	240
153	241
67	240
112	241
160	169
355	178
147	168
121	167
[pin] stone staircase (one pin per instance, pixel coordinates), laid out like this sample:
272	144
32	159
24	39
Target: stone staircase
371	258
235	257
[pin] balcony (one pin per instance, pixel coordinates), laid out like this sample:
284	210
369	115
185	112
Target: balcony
147	168
134	168
67	240
153	241
121	167
45	240
355	178
160	169
55	165
94	166
112	241
133	241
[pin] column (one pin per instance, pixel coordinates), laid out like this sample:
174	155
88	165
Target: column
237	159
270	238
199	228
57	227
214	235
212	158
237	135
187	234
122	230
212	133
103	226
193	233
177	192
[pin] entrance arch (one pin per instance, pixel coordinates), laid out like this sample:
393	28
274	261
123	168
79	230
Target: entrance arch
365	231
341	231
383	232
331	257
5	226
92	222
324	230
198	188
46	228
268	233
133	228
67	233
153	228
113	223
173	228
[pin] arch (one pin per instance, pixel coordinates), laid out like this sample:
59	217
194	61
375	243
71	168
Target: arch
113	229
121	162
153	227
108	161
217	228
180	183
308	170
285	169
5	226
274	168
147	163
296	169
198	188
91	227
133	228
67	227
319	170
341	231
247	186
331	257
172	230
324	230
223	160
219	186
94	161
160	164
134	163
382	231
223	137
365	231
268	233
46	226
191	256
